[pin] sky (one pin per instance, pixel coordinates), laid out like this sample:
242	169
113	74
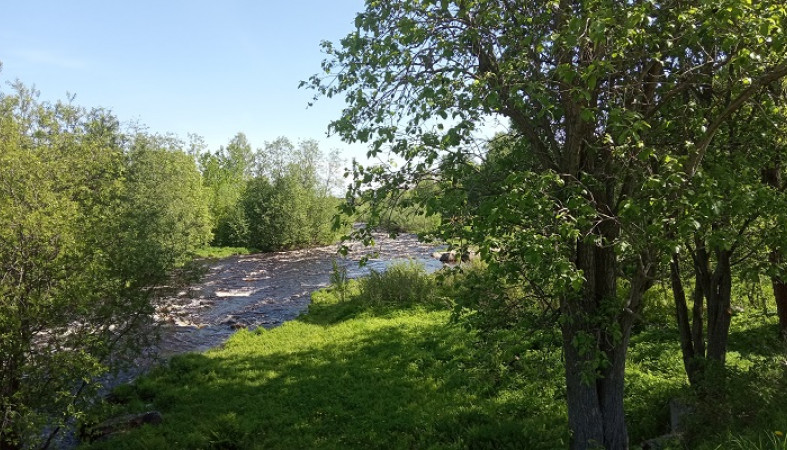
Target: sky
213	68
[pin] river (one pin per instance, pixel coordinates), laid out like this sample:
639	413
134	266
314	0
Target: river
267	289
257	290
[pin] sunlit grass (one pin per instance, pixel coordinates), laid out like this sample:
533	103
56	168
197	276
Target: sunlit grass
221	252
377	372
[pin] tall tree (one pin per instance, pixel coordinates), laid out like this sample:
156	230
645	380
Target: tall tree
334	171
725	229
239	157
225	174
289	206
272	160
166	213
771	135
594	87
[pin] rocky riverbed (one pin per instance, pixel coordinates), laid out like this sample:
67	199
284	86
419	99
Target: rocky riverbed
265	290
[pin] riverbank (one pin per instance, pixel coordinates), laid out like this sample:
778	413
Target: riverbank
358	374
268	289
250	291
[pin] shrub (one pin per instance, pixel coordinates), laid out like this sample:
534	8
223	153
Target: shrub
339	279
402	283
232	229
90	219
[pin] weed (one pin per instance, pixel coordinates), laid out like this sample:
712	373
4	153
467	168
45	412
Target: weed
339	279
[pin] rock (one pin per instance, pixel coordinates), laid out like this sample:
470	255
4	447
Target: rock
448	257
121	424
679	413
665	442
469	256
451	257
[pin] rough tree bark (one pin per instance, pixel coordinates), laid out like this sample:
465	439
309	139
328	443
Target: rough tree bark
772	177
595	395
595	412
715	288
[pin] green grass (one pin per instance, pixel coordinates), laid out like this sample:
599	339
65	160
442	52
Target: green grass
369	372
221	252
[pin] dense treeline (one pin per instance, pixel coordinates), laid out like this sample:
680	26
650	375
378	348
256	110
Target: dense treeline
90	218
278	197
94	214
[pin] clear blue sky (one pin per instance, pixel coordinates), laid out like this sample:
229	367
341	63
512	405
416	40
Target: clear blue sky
213	68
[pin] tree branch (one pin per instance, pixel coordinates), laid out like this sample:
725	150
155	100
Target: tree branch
769	77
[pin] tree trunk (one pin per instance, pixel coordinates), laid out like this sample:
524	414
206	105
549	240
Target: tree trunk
611	389
719	313
595	396
698	316
772	177
780	294
714	288
584	408
687	343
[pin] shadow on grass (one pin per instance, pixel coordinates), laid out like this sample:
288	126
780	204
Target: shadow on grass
750	336
757	336
654	343
746	401
396	385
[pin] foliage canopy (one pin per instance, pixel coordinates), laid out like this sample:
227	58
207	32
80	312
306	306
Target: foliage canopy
90	219
615	108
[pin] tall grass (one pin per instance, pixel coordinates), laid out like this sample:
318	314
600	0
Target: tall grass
402	283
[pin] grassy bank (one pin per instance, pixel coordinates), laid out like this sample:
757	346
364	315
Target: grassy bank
366	372
210	252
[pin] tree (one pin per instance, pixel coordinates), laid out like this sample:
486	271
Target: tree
88	223
596	89
334	171
166	213
225	174
732	226
265	225
289	206
772	173
273	159
239	157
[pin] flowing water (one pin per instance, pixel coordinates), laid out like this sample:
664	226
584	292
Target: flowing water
267	290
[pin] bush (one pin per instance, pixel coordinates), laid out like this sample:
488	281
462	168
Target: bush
232	229
409	220
90	219
402	283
